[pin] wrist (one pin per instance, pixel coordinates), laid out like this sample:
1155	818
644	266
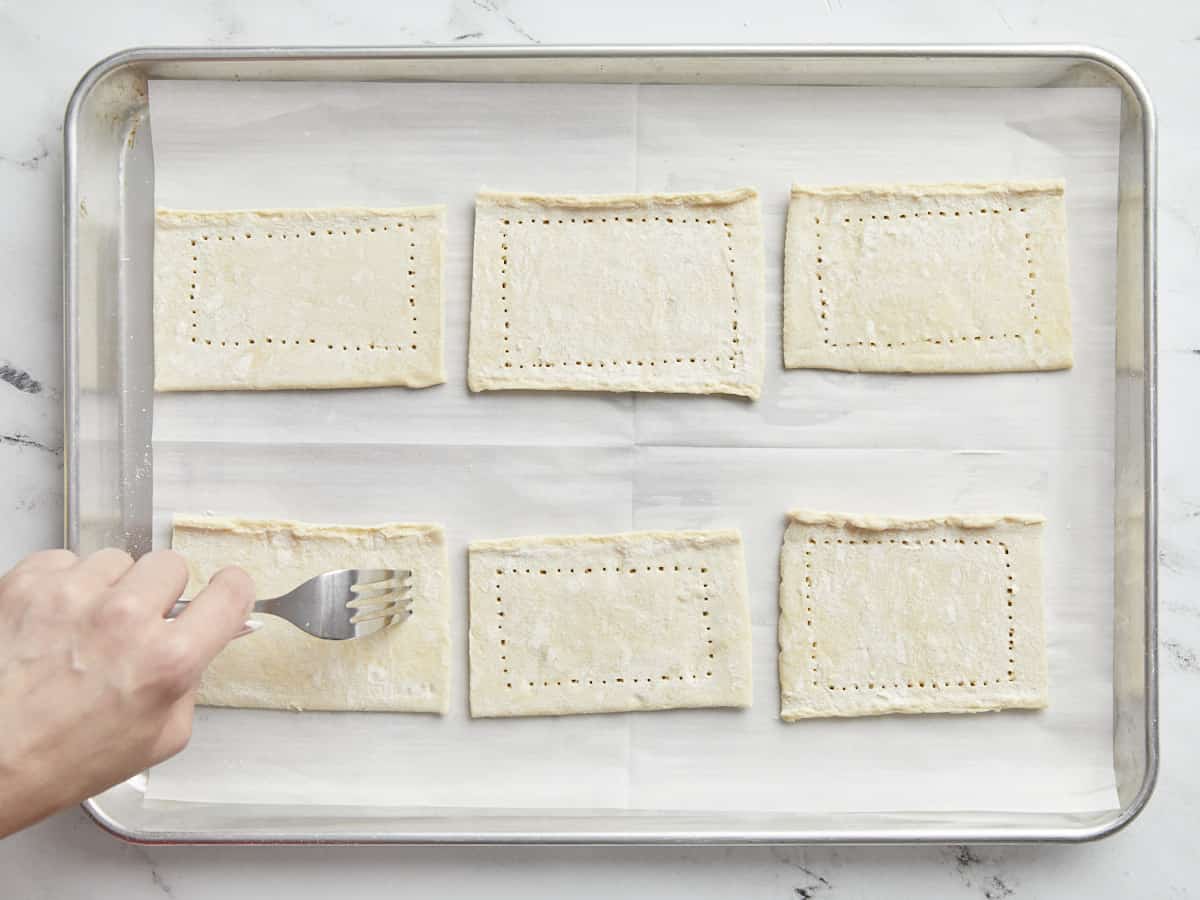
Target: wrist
29	792
22	801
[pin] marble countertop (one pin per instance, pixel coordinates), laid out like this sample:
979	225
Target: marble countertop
46	46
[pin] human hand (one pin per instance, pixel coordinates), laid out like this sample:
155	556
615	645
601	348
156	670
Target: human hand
95	685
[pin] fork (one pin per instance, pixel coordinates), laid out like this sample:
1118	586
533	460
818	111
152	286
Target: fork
346	603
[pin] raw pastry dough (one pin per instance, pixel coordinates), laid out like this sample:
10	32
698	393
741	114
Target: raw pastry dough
934	278
650	620
301	298
883	615
651	292
402	668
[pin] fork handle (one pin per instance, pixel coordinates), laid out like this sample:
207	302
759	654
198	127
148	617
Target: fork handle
181	605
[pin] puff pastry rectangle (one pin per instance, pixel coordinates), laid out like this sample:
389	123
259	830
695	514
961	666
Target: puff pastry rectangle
883	615
403	668
651	620
653	292
304	298
927	278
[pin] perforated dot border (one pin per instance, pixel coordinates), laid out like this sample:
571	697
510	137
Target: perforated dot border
926	683
821	268
511	682
284	234
508	223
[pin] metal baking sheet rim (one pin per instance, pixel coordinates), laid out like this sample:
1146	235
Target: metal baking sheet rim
1120	73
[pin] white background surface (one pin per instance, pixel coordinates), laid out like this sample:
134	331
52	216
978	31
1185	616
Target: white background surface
44	48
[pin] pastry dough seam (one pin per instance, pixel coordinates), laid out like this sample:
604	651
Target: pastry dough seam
932	683
582	679
846	220
509	222
249	234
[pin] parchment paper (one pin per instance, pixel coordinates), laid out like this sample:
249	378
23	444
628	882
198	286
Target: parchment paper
506	464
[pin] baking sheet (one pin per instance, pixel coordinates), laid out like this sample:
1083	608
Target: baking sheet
508	464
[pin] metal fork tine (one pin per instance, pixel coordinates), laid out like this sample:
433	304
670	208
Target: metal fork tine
380	587
365	576
383	577
388	612
366	599
380	606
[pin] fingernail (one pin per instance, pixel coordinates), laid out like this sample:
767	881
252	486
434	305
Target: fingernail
251	626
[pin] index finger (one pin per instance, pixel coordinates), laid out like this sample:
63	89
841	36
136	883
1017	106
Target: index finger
217	613
104	567
157	579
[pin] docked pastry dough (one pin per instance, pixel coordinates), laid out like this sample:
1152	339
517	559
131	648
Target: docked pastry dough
652	292
885	615
404	667
303	298
927	278
651	620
